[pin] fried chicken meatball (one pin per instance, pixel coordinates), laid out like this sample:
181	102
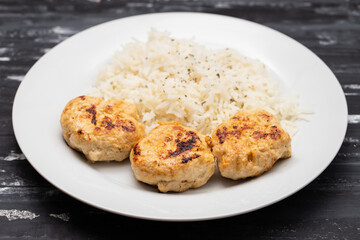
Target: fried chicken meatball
173	157
249	144
102	130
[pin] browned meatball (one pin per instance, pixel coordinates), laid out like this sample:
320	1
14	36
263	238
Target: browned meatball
249	144
102	130
173	157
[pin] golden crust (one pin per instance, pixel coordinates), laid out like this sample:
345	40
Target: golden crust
102	130
173	157
249	144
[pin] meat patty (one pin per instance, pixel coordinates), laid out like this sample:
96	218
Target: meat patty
102	130
249	144
173	157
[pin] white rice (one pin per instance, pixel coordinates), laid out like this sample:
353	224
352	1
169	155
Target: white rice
179	79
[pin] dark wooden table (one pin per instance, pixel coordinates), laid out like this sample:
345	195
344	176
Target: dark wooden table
328	208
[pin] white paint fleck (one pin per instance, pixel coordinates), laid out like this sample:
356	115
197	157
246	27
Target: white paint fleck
16	183
45	50
14	214
5	190
352	140
2	170
62	216
58	39
61	33
352	94
95	1
354	119
326	39
13	156
15	77
222	5
13	182
4	59
3	50
331	11
139	4
63	30
350	155
352	86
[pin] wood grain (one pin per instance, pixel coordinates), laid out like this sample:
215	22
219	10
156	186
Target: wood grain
328	208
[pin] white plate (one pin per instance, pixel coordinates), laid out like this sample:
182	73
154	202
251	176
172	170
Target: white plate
71	67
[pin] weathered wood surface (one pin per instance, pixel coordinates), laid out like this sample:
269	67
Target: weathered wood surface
328	208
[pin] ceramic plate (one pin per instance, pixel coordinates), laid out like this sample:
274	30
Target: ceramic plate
71	67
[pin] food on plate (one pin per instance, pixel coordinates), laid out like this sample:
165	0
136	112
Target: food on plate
102	130
173	157
179	79
249	144
166	79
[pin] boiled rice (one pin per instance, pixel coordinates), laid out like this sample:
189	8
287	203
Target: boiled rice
179	79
